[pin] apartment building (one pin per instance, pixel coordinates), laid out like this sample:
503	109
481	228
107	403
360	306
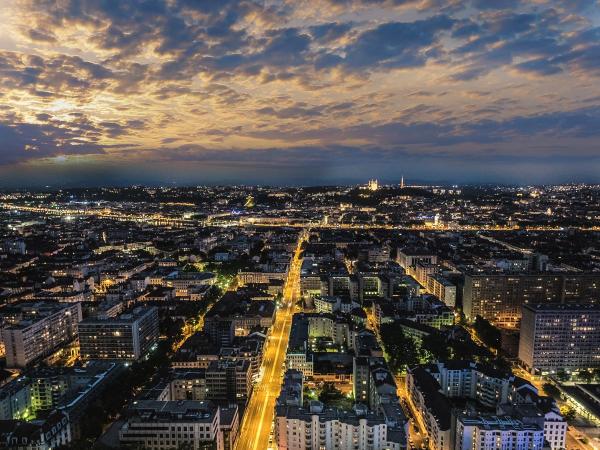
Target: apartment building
499	296
319	427
559	336
159	425
506	433
40	328
438	391
229	380
129	336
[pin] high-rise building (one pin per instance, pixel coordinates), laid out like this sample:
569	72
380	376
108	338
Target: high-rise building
559	336
40	329
498	297
129	336
361	375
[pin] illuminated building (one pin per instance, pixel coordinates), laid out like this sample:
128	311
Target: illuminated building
229	380
409	259
558	336
321	427
15	399
524	419
498	297
157	425
40	328
485	432
129	336
49	433
249	203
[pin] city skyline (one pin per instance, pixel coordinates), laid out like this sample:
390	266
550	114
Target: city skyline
363	317
298	93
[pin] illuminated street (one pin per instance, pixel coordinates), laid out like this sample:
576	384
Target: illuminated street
256	425
300	225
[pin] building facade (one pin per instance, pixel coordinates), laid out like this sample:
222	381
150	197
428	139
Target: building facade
559	336
493	432
129	336
44	328
160	425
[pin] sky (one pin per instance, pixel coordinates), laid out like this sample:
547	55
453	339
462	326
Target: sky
298	92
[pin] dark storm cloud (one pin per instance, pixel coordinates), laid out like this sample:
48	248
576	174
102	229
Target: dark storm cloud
496	40
22	141
64	75
389	45
582	123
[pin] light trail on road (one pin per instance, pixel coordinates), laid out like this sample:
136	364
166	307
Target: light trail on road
256	424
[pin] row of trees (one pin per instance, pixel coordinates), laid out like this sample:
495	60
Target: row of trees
488	333
402	351
587	376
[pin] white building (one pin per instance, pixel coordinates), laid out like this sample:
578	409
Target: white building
523	419
498	433
327	304
559	336
159	425
42	329
300	361
319	428
464	379
442	289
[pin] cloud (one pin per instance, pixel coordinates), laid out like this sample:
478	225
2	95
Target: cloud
583	123
22	141
354	79
391	45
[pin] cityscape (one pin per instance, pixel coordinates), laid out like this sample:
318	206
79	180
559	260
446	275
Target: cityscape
370	316
300	224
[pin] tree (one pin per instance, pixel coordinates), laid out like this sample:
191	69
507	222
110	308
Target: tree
568	413
436	345
488	333
551	390
401	350
329	393
332	396
562	375
586	376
